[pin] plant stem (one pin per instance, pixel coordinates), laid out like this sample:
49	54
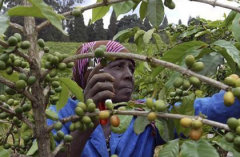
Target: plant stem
42	137
145	113
153	60
216	3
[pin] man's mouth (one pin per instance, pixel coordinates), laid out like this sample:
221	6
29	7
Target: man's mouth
127	88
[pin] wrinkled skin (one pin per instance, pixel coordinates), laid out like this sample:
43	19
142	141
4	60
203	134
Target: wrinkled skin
116	82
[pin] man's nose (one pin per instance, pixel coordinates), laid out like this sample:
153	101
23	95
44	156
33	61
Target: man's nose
127	74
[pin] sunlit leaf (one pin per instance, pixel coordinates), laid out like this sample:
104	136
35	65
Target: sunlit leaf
236	27
41	9
229	52
4	152
33	148
63	97
73	87
123	7
178	53
119	34
143	10
155	12
140	124
99	12
148	35
4	23
138	33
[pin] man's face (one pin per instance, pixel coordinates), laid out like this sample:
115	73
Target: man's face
122	70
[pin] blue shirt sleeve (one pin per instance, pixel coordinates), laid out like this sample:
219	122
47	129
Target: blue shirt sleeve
214	108
66	111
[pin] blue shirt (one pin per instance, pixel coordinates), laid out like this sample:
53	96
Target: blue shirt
143	145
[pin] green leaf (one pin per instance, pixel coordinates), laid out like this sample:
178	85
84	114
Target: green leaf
33	148
125	120
147	66
148	35
229	52
158	41
51	115
52	141
4	23
211	62
123	7
25	11
178	53
4	152
140	124
236	27
125	37
119	34
165	128
99	12
201	33
12	78
73	87
200	148
63	97
155	12
170	149
221	142
1	4
54	18
139	43
138	33
171	79
186	108
143	10
39	9
228	21
188	33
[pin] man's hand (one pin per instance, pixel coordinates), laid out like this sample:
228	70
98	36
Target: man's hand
99	86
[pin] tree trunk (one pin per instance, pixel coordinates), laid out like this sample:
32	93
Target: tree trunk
40	131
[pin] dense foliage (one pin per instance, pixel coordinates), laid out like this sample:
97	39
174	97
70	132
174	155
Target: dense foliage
37	74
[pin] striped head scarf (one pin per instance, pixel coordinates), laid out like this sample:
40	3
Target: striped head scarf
80	66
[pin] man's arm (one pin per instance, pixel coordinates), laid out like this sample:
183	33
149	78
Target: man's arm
214	108
79	137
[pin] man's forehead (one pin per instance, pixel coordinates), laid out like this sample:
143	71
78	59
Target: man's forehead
123	61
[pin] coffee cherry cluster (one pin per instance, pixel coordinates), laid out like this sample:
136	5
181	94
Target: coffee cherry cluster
234	82
8	59
23	143
105	114
82	124
183	86
192	64
55	62
155	106
99	53
195	125
234	135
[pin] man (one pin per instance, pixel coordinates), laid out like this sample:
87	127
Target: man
116	82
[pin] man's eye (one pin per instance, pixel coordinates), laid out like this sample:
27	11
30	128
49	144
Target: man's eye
116	66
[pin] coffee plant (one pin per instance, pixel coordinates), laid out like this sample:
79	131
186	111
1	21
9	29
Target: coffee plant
197	61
